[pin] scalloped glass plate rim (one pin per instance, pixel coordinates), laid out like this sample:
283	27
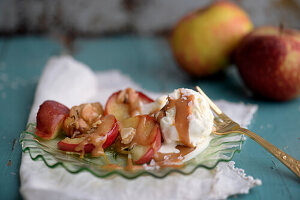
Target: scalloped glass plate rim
117	172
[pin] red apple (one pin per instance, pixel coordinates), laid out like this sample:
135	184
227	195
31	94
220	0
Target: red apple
268	60
109	126
50	118
120	109
203	40
146	141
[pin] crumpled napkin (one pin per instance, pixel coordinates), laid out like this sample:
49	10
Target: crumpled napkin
71	82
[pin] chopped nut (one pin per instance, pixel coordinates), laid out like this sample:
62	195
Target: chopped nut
89	112
83	118
75	134
96	123
127	134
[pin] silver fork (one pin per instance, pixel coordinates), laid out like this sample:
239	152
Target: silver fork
225	125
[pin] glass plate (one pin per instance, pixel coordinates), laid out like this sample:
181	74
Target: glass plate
221	148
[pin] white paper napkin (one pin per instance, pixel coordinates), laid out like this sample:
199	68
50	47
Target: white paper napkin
70	82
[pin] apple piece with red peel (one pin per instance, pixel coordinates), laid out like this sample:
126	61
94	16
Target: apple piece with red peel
121	110
141	154
268	60
147	138
202	41
110	127
112	134
147	157
50	118
69	144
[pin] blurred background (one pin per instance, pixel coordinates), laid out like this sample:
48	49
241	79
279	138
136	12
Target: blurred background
94	17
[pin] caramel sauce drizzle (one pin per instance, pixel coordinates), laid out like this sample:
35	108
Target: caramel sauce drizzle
134	102
97	138
111	166
143	136
130	97
130	166
172	159
181	117
182	126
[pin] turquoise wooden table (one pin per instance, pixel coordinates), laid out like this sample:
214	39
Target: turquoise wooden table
149	62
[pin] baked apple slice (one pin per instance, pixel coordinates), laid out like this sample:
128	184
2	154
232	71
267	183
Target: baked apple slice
140	136
143	154
108	129
69	144
126	103
50	118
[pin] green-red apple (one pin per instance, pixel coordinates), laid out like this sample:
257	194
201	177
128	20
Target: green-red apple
268	60
203	40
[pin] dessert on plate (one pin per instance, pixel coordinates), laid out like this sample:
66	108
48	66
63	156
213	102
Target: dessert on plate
165	132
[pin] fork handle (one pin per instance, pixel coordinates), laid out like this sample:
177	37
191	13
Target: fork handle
287	160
